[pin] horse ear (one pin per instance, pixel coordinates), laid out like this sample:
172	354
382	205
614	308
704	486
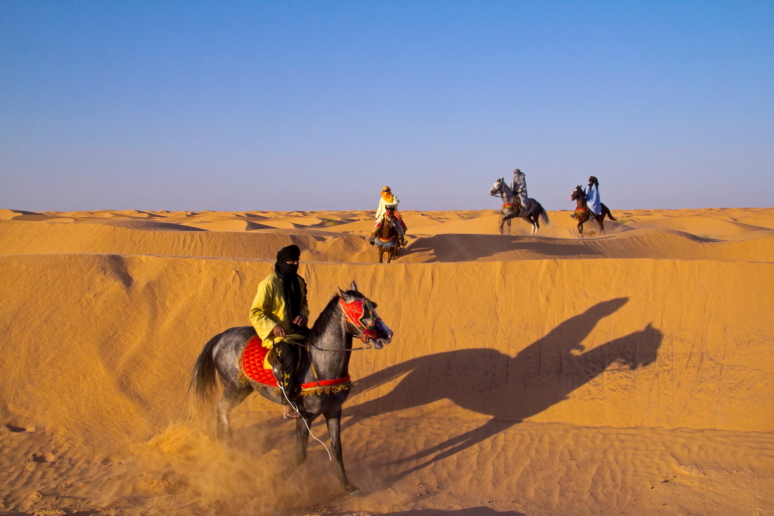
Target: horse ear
353	286
346	296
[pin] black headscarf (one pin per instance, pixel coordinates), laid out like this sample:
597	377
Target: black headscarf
291	288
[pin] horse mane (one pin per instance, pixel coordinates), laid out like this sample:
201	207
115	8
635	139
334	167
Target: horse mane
327	315
324	319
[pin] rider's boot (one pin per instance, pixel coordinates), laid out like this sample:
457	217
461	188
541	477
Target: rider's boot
402	236
285	368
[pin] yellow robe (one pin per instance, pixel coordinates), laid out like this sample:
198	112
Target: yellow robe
268	308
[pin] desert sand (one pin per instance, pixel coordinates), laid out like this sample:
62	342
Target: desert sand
629	372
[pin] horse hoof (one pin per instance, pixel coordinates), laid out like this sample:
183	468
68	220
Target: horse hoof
352	490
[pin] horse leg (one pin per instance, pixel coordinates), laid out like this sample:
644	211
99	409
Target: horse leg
232	396
302	438
601	222
381	253
333	419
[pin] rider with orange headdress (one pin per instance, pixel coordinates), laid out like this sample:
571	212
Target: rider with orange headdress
389	202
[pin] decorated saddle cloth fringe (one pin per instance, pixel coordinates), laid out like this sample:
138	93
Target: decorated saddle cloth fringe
251	368
580	212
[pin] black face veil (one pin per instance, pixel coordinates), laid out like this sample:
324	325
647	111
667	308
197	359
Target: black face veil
288	273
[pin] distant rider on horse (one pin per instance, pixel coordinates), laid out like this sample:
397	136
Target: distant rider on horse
388	200
519	187
280	314
592	196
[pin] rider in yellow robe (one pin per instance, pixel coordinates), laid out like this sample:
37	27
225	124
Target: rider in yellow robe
280	313
268	309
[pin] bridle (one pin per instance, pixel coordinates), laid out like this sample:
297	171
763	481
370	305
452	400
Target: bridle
354	313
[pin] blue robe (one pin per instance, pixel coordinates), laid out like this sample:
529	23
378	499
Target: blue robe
592	199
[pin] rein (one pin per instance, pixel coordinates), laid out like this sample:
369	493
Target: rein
310	347
354	313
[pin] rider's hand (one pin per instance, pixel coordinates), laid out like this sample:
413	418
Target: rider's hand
278	331
301	320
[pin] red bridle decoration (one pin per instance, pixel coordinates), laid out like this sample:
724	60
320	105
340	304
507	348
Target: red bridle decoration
357	310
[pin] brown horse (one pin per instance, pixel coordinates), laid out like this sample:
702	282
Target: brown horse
387	239
584	214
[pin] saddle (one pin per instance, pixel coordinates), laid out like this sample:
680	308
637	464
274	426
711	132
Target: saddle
580	212
252	368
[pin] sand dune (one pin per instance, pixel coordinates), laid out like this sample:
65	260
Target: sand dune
237	238
629	372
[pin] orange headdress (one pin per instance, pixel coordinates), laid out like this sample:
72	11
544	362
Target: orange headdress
387	194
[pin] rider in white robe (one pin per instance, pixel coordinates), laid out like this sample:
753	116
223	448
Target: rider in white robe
388	199
519	187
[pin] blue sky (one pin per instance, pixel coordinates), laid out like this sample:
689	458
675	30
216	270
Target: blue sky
316	105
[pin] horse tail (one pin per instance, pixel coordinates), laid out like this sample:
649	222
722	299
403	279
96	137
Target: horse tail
606	211
203	386
544	215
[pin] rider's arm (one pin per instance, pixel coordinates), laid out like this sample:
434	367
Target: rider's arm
380	210
261	315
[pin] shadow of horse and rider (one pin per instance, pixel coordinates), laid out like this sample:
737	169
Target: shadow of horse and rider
508	389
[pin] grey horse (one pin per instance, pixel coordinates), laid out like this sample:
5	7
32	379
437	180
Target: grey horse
531	215
328	349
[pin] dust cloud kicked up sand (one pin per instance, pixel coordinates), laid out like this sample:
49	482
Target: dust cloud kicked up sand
629	372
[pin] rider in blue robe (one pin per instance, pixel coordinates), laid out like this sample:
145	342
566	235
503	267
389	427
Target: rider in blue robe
592	196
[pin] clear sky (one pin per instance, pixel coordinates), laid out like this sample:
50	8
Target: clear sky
315	105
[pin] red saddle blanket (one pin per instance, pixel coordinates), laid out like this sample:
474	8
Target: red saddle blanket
252	367
252	363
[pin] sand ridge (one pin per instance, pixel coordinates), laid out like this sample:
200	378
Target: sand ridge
629	372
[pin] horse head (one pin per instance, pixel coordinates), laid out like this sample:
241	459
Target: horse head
361	319
497	187
576	194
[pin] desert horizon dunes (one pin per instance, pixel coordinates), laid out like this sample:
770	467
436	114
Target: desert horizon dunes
629	372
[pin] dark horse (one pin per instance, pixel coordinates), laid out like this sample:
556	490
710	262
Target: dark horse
388	238
328	349
510	208
583	213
